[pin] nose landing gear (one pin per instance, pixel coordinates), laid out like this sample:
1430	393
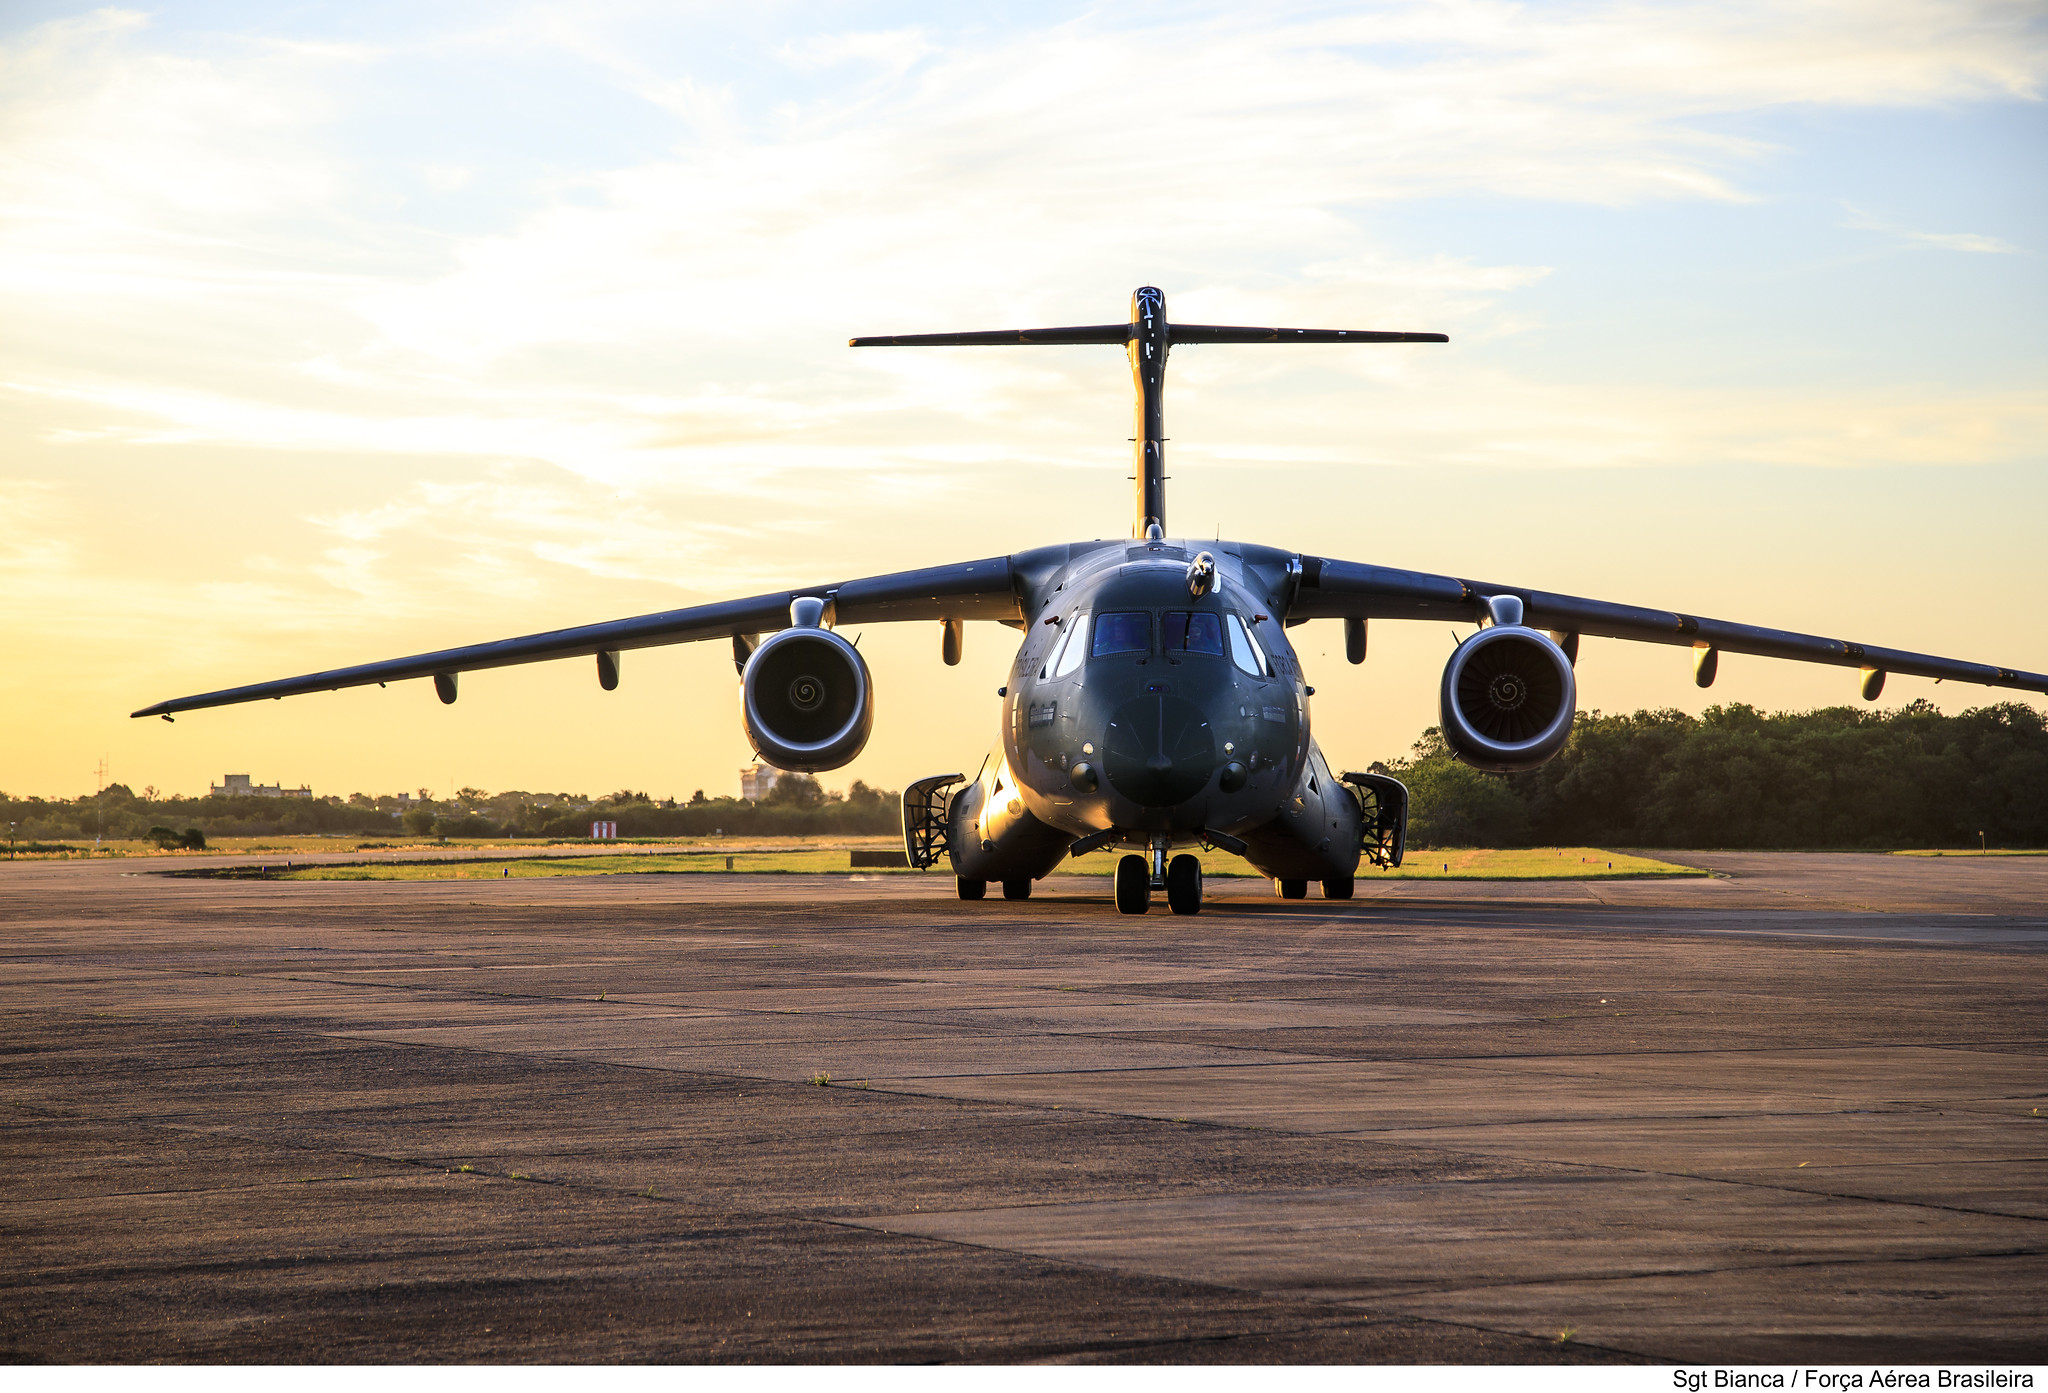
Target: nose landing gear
1182	882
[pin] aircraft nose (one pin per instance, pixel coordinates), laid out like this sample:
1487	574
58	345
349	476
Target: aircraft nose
1158	750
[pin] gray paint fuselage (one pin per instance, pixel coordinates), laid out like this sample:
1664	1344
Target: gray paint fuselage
1158	726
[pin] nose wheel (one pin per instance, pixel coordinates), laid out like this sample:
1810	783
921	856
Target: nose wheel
1184	885
1133	885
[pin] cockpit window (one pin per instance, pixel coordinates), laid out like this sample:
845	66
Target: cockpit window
1122	633
1194	631
1245	651
1067	656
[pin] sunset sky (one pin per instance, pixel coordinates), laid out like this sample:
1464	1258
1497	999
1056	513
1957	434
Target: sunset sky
331	333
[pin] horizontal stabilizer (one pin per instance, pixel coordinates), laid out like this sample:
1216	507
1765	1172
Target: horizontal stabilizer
1122	333
1234	333
1080	333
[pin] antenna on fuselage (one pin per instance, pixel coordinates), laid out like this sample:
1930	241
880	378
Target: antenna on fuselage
1148	337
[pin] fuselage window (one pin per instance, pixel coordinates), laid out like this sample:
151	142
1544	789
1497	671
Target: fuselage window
1194	631
1123	633
1071	649
1244	650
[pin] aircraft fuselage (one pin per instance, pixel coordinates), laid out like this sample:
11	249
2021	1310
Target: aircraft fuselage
1155	703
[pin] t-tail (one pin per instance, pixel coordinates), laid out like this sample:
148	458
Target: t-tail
1148	337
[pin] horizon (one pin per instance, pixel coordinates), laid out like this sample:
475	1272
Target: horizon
1426	743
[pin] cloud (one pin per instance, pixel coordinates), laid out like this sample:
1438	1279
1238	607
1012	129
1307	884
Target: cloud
202	242
1947	241
486	529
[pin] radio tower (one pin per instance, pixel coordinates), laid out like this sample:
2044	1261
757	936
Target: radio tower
99	804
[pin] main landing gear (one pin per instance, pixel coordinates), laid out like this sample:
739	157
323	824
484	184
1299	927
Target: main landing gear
1333	889
978	889
1134	885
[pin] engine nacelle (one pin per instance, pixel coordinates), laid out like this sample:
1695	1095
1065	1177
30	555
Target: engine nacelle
807	700
1508	699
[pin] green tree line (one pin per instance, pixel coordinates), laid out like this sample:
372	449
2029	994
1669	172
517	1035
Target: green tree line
1732	777
1736	777
797	805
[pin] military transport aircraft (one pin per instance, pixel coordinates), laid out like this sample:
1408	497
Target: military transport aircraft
1155	702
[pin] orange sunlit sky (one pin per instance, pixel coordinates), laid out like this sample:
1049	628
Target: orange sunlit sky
340	332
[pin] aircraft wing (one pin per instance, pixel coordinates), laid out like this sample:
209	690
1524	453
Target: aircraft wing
985	589
1348	589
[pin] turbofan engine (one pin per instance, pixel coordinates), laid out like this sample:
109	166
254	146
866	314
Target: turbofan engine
1508	695
805	695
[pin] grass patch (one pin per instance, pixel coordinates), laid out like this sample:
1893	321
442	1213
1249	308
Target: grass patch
1534	863
1970	851
277	844
1465	863
771	861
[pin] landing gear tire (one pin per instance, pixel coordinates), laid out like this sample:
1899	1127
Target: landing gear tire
1016	889
971	889
1291	889
1184	885
1338	889
1133	885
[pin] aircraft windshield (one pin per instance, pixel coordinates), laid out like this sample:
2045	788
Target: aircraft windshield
1122	633
1244	650
1194	632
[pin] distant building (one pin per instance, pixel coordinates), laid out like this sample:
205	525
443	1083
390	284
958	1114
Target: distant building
238	786
756	780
